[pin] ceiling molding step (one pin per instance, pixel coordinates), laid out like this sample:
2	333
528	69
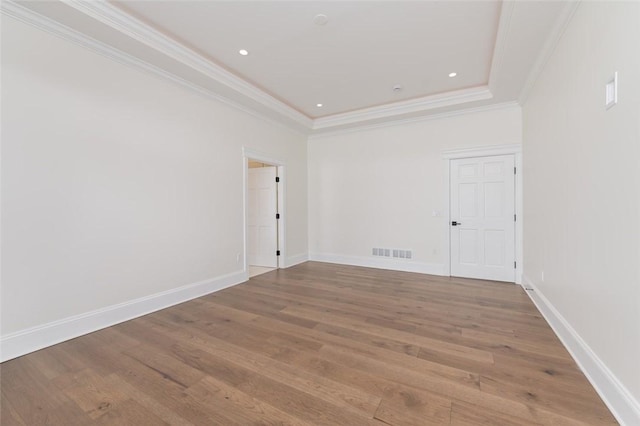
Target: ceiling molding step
504	30
396	110
43	23
549	47
401	122
258	103
119	20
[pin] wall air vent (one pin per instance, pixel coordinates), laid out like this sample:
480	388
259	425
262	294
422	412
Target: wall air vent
397	253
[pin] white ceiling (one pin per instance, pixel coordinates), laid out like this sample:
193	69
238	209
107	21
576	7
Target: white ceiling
350	65
351	62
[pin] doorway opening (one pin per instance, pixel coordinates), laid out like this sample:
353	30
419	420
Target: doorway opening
264	202
482	211
484	203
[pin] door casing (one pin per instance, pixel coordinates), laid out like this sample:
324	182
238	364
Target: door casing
248	153
448	155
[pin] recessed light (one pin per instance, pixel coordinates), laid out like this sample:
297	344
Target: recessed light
243	52
453	74
319	105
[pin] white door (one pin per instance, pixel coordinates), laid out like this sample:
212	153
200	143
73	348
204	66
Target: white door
483	218
262	223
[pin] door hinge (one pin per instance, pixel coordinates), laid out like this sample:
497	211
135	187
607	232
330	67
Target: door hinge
514	265
277	215
277	252
514	217
514	170
277	179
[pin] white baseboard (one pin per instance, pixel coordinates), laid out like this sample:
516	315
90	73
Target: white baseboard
296	259
380	263
615	395
32	339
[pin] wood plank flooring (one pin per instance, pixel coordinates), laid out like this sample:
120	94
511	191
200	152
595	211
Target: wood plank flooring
309	345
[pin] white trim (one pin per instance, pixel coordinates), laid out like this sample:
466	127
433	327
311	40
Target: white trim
119	20
562	22
318	134
519	217
43	23
296	260
615	395
248	153
32	339
282	222
284	115
482	151
485	151
263	157
499	51
379	263
412	106
447	219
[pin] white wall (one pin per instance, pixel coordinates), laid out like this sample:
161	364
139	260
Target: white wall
117	185
379	187
582	197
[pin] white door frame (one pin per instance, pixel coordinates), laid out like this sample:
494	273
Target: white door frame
485	151
248	153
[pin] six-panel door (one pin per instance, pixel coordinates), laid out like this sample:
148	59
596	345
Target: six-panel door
483	208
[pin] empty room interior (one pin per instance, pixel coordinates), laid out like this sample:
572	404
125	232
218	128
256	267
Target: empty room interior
320	212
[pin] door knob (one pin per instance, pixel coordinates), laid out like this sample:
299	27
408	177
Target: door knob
454	223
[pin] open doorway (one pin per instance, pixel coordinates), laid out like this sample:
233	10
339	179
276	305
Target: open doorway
263	212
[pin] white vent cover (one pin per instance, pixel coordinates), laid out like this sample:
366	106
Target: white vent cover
397	253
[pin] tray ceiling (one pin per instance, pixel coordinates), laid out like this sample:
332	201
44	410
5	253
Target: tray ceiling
349	59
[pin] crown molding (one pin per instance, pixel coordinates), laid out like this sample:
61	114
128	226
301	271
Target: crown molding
48	25
270	108
119	20
105	12
549	47
400	122
504	30
398	109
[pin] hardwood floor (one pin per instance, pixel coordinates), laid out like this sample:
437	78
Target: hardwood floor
314	344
